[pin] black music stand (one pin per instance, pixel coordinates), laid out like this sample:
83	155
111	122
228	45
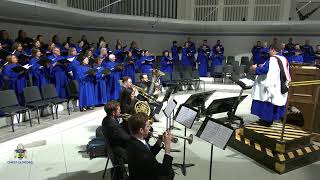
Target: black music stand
171	105
186	116
217	134
198	100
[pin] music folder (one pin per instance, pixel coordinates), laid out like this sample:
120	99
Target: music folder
244	83
186	115
19	69
91	72
172	103
44	61
215	133
106	71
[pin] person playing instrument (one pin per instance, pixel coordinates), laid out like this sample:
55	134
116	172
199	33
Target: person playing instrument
114	132
268	93
142	161
145	84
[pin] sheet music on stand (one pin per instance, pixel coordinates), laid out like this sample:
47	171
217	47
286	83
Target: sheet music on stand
215	133
170	107
186	115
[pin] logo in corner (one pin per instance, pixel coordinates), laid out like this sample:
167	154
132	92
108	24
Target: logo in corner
20	152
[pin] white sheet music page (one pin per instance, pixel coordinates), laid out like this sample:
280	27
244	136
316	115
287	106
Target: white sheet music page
186	116
216	134
247	82
170	107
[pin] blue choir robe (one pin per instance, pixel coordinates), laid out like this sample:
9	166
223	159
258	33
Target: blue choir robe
78	48
203	60
262	56
308	54
167	65
217	59
40	74
86	87
175	53
297	59
17	81
59	75
187	58
286	54
221	48
268	101
129	68
147	64
73	66
100	86
120	56
113	84
255	53
135	54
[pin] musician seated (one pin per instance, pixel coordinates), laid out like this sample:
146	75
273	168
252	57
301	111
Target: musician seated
114	132
142	162
145	84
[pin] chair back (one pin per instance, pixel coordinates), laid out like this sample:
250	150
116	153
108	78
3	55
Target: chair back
245	60
109	150
230	60
32	94
228	69
166	77
49	92
73	88
195	75
8	98
218	69
186	75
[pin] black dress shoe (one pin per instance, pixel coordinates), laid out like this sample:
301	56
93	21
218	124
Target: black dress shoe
83	109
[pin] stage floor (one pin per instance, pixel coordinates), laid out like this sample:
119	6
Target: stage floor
53	149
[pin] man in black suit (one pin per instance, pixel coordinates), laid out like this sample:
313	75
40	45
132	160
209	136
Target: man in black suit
114	132
141	156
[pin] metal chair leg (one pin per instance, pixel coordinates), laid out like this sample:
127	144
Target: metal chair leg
12	123
52	112
30	118
68	107
38	115
57	111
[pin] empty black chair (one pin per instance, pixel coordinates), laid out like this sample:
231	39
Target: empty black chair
227	71
49	93
235	63
34	101
245	60
165	79
186	76
195	76
73	90
218	71
230	60
10	107
176	76
112	157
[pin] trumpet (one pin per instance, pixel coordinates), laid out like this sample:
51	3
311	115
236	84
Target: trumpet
175	137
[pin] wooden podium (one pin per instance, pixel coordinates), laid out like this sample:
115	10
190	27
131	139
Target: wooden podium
306	98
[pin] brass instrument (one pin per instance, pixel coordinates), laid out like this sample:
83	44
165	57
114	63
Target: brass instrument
142	92
174	139
156	74
140	106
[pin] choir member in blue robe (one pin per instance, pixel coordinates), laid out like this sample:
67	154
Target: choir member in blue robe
290	46
218	44
166	63
19	52
40	74
120	53
308	53
5	40
56	41
203	59
100	84
217	59
79	46
70	42
255	51
98	51
263	54
147	63
87	99
17	81
192	50
74	63
113	84
174	51
268	101
136	54
129	66
285	52
65	49
297	56
24	39
59	73
187	60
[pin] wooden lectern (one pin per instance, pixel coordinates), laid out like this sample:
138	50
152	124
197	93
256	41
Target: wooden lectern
306	98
